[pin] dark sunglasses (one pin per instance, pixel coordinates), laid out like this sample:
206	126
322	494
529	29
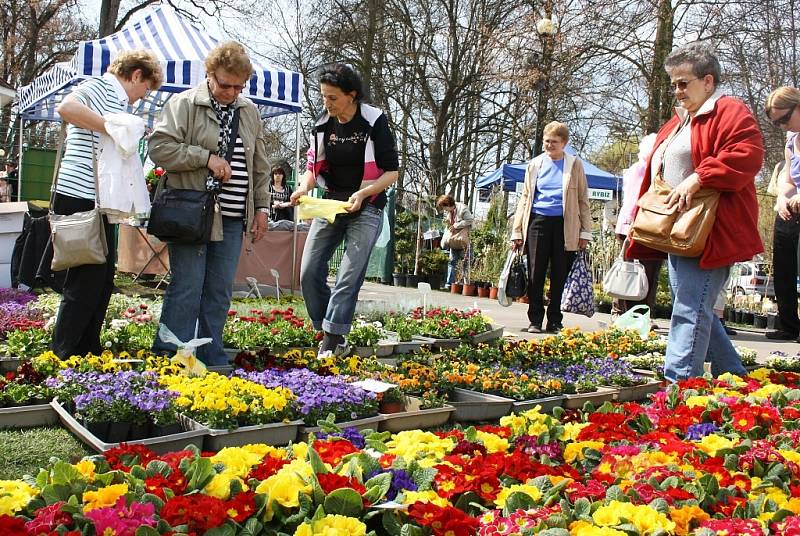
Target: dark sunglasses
223	86
782	120
682	84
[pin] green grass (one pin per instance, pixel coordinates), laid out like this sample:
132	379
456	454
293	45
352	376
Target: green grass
23	452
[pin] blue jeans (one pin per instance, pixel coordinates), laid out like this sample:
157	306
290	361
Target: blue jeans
455	256
332	311
696	334
199	293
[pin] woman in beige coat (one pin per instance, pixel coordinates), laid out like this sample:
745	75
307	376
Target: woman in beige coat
552	222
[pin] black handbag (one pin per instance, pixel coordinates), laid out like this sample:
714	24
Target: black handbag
517	283
183	216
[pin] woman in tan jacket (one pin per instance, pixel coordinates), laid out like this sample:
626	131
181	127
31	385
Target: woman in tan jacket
552	221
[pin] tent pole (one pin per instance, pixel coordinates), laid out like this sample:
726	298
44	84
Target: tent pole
20	134
297	179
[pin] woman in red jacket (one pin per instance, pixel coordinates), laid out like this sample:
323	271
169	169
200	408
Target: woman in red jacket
713	141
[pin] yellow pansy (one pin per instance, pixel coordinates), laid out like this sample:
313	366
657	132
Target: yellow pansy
531	491
103	497
574	451
332	525
15	495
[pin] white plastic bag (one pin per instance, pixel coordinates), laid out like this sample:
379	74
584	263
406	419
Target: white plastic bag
386	233
186	351
502	299
636	318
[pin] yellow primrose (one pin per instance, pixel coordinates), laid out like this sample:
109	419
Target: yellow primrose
284	487
732	379
761	374
584	528
531	491
712	443
220	486
410	497
572	429
15	495
646	520
767	390
332	525
86	468
574	451
416	444
492	442
237	460
103	497
300	450
698	400
516	422
685	515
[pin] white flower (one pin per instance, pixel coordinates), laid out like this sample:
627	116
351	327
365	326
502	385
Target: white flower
546	26
108	344
119	323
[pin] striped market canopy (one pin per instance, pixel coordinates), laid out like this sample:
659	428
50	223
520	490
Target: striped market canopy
182	48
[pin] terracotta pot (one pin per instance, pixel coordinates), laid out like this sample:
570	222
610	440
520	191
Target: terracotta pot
392	407
470	290
483	292
456	288
493	293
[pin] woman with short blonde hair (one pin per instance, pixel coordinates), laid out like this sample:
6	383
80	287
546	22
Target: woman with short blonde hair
231	57
128	62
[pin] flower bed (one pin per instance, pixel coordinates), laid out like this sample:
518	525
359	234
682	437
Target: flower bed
276	329
706	457
438	323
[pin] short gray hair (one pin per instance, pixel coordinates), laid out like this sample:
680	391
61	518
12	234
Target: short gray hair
700	56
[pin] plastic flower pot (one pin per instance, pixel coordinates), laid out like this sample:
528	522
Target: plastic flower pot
456	288
399	280
412	280
118	432
98	429
469	290
747	318
483	292
391	407
493	293
139	431
738	316
760	321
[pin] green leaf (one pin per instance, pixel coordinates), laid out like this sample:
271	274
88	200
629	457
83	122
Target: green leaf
252	527
380	446
582	508
158	467
316	462
411	530
554	532
660	505
54	493
305	509
423	477
64	473
518	501
471	434
383	481
344	501
224	530
147	531
155	500
390	523
199	473
615	493
368	464
138	472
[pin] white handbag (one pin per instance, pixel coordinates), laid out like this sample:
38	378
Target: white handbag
626	280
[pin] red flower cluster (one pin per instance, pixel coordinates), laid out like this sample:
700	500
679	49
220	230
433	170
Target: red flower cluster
47	519
268	467
274	316
242	506
332	451
443	520
330	482
199	512
176	482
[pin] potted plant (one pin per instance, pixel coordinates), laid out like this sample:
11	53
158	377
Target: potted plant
433	264
392	401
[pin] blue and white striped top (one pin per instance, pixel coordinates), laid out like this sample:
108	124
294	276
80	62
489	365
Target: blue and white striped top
104	95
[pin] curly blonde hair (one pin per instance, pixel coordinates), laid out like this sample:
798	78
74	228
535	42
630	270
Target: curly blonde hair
128	61
229	56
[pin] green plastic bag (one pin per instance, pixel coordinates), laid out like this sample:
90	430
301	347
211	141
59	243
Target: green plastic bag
313	207
636	318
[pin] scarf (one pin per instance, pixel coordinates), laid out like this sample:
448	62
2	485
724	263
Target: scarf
225	118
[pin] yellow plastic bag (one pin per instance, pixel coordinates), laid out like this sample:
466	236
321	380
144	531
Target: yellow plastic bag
313	207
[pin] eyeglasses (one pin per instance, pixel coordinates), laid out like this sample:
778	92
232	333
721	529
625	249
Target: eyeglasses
782	120
223	86
682	84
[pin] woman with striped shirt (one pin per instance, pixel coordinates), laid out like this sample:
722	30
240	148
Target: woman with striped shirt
87	288
212	138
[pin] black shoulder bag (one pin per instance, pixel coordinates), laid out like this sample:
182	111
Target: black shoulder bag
185	216
517	283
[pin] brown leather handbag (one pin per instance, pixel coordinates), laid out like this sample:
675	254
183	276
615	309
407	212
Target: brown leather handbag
665	229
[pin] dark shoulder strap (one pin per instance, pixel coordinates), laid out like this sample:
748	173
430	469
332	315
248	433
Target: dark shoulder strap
234	135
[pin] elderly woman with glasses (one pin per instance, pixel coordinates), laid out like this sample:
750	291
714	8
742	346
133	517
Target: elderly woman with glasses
781	110
212	138
712	141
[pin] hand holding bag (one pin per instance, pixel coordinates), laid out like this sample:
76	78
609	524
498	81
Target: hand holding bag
77	238
626	280
517	282
578	296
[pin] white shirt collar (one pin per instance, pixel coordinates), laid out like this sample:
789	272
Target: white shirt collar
705	108
121	94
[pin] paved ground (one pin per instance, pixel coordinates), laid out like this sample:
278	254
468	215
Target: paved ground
515	319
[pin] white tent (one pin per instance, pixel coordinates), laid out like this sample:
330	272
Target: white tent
180	45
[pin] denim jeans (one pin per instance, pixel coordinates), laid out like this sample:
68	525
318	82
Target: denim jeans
199	293
456	255
333	311
696	334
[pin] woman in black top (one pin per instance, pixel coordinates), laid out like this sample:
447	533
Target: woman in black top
354	158
280	207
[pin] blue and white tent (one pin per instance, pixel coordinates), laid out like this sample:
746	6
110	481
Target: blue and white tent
182	48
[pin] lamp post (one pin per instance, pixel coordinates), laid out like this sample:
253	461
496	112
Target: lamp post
547	30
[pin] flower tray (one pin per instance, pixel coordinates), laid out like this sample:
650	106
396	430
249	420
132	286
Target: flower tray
637	392
496	332
28	416
371	423
390	361
404	347
603	394
441	344
364	351
646	372
160	445
385	348
547	404
231	353
10	364
474	406
279	433
414	417
221	369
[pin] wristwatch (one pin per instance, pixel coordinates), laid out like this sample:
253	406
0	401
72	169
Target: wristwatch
265	210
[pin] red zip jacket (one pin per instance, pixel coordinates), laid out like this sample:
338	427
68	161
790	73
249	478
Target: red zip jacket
727	152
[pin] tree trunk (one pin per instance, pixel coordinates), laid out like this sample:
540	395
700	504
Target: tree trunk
659	90
109	11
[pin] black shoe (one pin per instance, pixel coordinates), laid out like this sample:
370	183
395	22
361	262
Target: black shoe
330	344
554	328
730	332
534	328
780	335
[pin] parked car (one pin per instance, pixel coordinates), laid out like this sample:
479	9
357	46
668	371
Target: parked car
749	278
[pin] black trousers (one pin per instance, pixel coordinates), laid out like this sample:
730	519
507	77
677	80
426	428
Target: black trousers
87	290
784	271
545	249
